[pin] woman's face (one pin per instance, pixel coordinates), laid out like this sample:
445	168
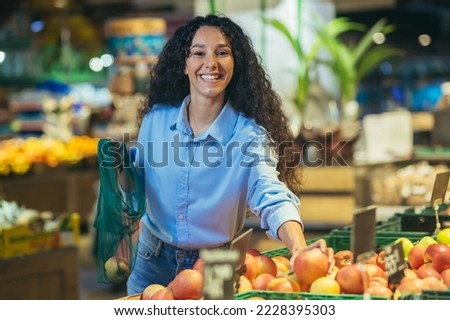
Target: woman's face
210	63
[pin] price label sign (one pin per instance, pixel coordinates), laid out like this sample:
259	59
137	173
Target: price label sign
394	262
363	233
223	268
439	188
219	273
241	244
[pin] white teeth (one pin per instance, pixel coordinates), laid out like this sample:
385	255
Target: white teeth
210	77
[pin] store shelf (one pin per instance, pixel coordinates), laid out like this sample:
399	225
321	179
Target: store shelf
51	275
328	196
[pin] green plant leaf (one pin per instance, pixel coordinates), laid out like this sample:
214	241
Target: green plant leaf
373	58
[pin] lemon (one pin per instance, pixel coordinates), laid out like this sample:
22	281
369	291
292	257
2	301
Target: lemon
443	236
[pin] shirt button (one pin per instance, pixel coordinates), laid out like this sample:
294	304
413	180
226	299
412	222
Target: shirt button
181	216
183	179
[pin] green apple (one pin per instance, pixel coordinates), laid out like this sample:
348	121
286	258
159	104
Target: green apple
116	269
443	236
407	244
427	240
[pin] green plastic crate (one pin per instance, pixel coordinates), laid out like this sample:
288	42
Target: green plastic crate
425	220
410	221
284	252
427	295
276	295
340	239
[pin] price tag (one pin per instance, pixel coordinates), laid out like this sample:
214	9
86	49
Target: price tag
241	244
363	233
219	273
439	188
394	262
223	268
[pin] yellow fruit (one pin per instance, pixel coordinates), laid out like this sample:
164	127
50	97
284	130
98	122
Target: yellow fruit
406	245
443	236
325	285
427	240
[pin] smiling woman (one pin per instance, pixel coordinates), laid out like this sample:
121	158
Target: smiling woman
209	95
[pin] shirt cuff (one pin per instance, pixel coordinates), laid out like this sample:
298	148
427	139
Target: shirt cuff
286	212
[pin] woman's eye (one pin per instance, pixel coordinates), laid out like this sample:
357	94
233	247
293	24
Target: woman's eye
197	53
223	53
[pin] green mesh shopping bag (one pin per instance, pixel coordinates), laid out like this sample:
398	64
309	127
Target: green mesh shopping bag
120	206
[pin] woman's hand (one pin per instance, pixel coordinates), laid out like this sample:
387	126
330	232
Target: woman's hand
322	245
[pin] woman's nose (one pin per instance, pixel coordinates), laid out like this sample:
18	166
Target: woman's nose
211	61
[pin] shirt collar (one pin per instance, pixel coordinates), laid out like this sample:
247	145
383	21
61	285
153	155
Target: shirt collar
221	129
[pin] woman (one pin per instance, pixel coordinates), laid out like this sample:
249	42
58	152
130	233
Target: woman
210	133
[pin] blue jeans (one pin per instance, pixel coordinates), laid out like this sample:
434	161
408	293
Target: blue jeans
157	262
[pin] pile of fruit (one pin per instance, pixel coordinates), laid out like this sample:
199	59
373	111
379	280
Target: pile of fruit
315	271
427	267
17	155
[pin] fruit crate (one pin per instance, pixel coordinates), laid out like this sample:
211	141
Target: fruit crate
427	295
424	221
277	295
340	239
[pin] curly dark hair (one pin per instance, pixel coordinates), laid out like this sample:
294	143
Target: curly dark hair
249	91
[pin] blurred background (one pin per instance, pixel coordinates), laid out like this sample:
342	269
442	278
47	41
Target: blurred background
370	119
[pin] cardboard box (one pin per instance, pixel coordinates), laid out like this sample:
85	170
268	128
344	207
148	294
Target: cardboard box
23	240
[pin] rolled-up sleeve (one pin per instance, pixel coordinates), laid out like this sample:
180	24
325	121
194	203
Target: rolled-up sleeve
268	197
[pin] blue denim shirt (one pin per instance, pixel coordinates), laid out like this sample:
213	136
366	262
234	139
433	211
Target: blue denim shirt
198	189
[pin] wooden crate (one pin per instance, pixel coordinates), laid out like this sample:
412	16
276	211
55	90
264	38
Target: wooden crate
51	275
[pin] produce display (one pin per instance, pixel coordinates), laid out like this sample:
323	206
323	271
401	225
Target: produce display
411	185
17	156
276	275
26	231
427	267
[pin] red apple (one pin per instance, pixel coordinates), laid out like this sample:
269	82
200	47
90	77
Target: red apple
343	258
150	290
432	283
262	280
439	256
409	286
409	274
244	285
380	259
446	277
373	270
426	270
372	259
416	256
379	291
280	284
350	278
163	294
251	267
188	285
378	281
254	252
282	264
310	265
266	265
199	265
